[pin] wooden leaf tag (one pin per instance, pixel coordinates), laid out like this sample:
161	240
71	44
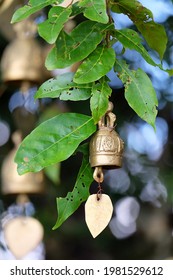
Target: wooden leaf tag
22	235
98	213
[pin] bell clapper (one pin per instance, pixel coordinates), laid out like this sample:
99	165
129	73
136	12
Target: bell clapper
98	174
98	177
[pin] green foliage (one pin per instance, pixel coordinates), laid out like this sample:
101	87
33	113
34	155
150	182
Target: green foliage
53	141
53	172
68	205
50	29
65	88
96	65
90	44
32	7
99	99
142	17
95	10
131	40
143	99
71	48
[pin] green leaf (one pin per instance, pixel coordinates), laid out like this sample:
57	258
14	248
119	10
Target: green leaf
71	48
53	172
63	87
53	141
50	29
142	17
139	92
47	113
99	100
155	36
76	10
68	205
95	10
97	64
132	8
32	7
130	39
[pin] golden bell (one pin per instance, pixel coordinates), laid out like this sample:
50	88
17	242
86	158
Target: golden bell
12	183
106	147
23	58
7	8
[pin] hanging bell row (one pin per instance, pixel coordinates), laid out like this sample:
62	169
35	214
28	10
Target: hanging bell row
106	146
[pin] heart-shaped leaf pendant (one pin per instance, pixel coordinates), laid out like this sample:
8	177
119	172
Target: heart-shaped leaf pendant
98	213
22	235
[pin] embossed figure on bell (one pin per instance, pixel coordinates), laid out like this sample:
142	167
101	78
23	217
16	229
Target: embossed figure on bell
106	147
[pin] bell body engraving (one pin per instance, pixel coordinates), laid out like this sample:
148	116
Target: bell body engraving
106	149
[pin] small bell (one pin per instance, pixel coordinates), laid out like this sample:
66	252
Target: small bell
7	8
106	147
23	58
12	183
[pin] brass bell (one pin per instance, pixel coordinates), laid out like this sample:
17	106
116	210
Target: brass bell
12	183
106	147
23	58
19	61
7	8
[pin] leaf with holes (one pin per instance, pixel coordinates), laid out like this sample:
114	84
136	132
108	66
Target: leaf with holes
139	92
53	141
132	8
71	48
142	17
68	205
97	64
32	7
63	87
100	98
50	29
95	10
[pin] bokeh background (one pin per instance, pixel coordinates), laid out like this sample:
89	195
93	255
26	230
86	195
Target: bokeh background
141	191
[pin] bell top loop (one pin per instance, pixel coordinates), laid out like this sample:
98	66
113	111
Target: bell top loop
108	120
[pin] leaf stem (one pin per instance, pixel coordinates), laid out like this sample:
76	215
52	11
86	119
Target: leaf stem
110	21
71	3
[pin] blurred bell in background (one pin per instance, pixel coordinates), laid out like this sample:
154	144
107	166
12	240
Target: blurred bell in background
22	71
